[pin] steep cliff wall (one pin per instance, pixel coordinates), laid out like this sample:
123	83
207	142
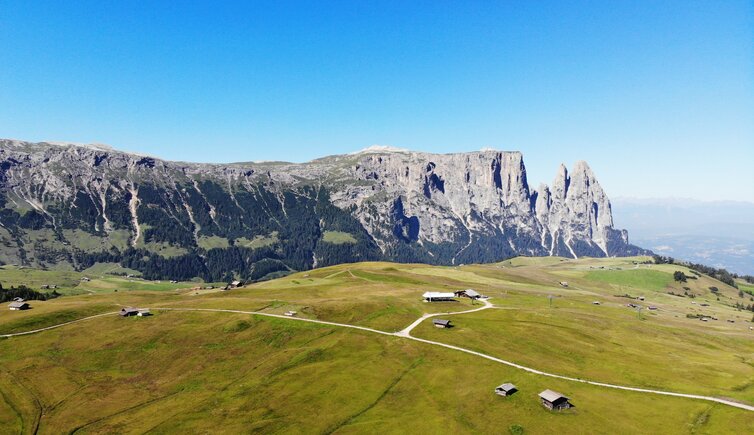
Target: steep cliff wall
79	204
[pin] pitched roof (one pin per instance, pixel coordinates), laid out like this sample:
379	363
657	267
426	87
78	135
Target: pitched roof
471	293
441	322
438	295
506	387
17	304
552	396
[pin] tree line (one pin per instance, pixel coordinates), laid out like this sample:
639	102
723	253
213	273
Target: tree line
719	274
25	293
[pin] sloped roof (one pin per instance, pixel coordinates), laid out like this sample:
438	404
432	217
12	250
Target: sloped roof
441	322
506	387
471	293
552	396
17	304
438	295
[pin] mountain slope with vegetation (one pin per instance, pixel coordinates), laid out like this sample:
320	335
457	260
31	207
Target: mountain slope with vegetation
71	206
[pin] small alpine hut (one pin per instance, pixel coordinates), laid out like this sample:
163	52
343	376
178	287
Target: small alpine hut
564	283
553	400
441	323
469	293
505	389
18	306
129	311
439	297
236	284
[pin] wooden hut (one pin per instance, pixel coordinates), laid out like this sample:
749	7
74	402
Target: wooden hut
505	389
129	311
441	323
554	401
468	293
18	306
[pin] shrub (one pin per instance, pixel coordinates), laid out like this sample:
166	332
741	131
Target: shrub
679	276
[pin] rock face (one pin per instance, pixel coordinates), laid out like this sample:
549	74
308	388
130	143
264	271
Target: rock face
80	204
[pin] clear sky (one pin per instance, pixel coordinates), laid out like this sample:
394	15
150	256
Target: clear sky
657	96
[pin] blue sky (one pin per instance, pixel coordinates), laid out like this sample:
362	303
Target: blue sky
657	96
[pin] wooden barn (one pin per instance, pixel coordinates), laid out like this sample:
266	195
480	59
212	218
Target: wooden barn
129	311
18	306
505	389
468	293
553	400
441	323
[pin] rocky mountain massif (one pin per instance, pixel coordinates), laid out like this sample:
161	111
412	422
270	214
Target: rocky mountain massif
71	206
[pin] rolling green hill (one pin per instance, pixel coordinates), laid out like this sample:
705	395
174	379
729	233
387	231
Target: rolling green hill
232	371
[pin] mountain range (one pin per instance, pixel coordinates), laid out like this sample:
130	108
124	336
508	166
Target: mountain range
65	205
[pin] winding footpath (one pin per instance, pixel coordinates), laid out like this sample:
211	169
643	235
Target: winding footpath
406	333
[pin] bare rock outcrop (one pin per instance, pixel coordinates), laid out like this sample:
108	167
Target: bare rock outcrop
396	204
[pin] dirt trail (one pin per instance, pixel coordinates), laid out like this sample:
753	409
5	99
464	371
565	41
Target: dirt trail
405	333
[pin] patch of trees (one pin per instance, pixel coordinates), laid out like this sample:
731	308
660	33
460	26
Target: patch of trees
332	218
118	212
25	293
265	267
679	276
88	259
223	264
153	266
719	274
166	220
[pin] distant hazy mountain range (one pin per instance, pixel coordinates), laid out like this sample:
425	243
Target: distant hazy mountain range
73	204
716	233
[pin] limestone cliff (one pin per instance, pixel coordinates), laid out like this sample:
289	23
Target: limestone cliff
64	203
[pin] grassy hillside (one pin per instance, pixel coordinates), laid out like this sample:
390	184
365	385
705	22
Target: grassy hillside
102	277
229	372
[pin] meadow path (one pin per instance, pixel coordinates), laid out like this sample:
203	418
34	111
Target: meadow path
405	333
34	331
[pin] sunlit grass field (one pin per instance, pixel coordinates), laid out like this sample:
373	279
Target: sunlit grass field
228	373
